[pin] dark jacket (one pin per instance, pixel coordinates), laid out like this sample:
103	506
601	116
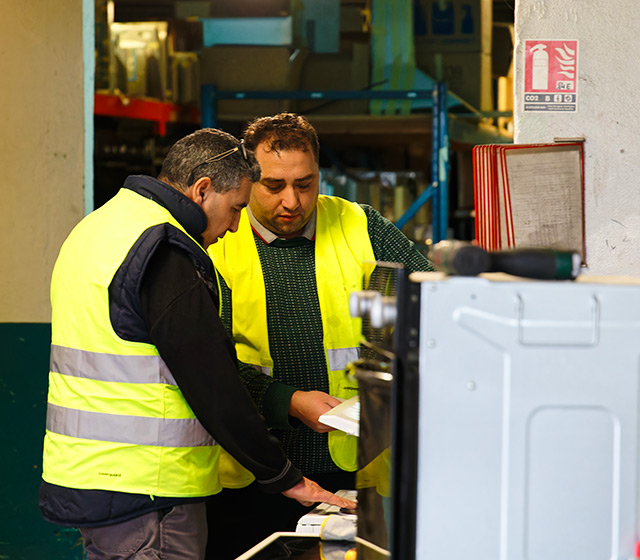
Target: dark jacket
166	285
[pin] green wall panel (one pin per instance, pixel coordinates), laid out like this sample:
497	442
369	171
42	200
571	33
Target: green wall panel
24	535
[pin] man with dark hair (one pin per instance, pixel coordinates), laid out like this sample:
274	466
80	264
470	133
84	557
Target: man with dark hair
288	273
143	385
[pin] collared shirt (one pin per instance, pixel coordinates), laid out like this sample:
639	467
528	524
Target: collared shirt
294	321
269	237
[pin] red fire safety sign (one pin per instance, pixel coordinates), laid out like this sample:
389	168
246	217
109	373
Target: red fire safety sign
551	76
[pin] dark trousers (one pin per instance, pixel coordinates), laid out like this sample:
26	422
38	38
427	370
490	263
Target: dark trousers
240	519
177	533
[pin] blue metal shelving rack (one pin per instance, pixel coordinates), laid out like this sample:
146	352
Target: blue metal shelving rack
437	190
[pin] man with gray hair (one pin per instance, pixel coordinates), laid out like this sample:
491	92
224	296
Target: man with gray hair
143	385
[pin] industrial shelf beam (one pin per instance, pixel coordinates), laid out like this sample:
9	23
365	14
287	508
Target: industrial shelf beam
159	112
438	190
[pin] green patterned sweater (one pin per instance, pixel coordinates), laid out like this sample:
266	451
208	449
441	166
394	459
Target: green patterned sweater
295	333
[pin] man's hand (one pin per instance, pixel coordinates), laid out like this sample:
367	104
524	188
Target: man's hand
308	492
307	406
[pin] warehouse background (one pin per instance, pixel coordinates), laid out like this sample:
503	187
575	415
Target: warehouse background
50	180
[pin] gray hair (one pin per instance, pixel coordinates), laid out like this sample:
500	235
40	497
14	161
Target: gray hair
187	161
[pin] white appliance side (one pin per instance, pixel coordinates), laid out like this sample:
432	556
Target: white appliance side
528	422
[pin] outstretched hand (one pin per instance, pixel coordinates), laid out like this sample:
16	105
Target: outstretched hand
307	406
308	492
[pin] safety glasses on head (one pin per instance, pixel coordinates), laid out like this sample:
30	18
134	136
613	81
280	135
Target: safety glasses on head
218	157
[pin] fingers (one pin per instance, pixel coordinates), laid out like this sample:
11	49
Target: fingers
323	428
308	492
332	401
342	503
307	406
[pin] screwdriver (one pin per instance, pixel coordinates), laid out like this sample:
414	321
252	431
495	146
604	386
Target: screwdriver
466	259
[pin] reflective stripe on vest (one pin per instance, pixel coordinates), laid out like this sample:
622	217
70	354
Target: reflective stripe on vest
137	430
109	367
141	430
116	420
340	358
342	247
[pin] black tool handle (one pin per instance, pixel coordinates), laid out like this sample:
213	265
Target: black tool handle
460	258
465	259
543	264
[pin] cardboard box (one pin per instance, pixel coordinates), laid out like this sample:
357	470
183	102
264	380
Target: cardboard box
467	74
251	68
322	72
453	25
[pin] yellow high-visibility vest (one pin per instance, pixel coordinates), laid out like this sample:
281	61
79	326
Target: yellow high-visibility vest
344	258
116	419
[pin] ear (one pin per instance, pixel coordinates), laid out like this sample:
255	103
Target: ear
199	190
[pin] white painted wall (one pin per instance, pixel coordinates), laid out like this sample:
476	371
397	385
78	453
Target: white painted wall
41	147
608	116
